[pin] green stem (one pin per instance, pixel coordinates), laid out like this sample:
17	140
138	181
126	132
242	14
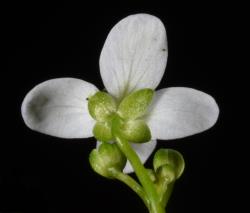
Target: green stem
142	175
162	187
129	181
167	194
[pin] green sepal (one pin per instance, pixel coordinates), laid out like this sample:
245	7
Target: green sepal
135	104
102	131
135	131
107	156
172	158
101	106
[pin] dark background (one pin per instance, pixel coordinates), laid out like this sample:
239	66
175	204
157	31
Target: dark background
63	39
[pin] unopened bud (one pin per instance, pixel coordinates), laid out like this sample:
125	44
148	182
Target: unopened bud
169	162
107	156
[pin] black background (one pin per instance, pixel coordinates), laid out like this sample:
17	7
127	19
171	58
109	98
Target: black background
63	39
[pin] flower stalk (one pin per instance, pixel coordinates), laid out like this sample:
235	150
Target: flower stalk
142	174
129	181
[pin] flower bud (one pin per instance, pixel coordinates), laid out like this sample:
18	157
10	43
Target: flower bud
101	106
107	156
168	162
135	105
166	172
102	131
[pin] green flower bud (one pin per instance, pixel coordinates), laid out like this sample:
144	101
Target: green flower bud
107	156
101	106
135	105
166	172
171	160
135	131
102	131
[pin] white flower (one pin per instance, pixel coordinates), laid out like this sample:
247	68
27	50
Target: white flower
134	57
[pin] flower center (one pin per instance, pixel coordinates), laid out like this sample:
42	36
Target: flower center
126	118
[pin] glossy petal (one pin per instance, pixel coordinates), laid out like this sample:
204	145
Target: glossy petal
143	150
178	112
58	107
134	55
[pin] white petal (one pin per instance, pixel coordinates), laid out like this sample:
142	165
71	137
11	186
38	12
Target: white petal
179	112
143	150
134	55
58	107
